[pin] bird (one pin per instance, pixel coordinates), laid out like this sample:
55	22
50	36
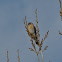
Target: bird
32	32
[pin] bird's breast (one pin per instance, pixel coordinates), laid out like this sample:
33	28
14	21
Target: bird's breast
31	29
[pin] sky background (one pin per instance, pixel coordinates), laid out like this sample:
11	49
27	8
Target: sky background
13	35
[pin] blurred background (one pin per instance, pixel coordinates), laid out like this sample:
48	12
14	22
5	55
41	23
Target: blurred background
13	35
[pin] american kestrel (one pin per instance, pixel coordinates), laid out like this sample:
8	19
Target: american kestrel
32	31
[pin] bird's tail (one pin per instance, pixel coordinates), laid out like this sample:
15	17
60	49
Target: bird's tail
36	40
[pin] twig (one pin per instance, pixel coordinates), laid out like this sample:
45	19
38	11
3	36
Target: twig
60	10
60	33
7	57
42	56
18	55
49	61
60	3
38	58
43	39
38	35
45	48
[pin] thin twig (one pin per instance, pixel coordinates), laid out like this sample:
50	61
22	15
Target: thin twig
60	3
60	33
7	57
18	55
38	58
45	48
49	61
42	56
60	10
38	35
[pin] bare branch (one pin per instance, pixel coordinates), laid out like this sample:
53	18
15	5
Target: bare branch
60	3
18	55
45	48
43	40
31	49
7	57
60	33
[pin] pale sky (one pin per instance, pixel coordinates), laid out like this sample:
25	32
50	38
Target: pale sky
13	35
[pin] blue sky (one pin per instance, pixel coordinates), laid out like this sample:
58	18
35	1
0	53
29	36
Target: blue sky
13	35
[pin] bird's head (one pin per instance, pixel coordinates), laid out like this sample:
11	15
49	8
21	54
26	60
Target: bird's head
30	23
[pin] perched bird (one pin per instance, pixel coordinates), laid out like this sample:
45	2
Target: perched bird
32	32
